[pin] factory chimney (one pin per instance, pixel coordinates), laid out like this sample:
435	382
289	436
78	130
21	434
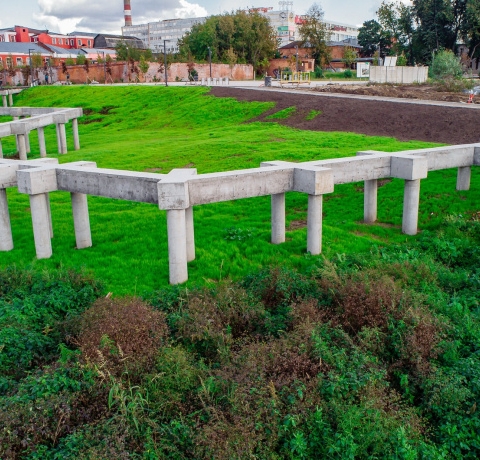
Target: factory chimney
128	12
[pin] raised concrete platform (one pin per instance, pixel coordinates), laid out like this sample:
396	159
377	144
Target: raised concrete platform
181	189
27	119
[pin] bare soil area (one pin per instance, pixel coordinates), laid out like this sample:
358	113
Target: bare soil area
423	92
449	125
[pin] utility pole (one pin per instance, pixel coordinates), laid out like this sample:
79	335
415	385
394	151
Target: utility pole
210	59
165	60
31	66
296	58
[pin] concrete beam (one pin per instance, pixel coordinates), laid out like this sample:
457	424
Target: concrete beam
409	167
110	183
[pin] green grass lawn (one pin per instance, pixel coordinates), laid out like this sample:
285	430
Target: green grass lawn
156	129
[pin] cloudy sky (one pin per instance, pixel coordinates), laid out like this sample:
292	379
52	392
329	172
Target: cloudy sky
107	15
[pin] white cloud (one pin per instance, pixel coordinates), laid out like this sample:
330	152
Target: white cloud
107	16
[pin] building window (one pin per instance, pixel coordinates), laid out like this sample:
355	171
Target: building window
12	38
9	62
2	38
60	41
79	42
71	42
54	41
89	43
19	61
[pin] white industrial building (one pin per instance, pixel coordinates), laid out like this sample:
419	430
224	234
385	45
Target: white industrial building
284	21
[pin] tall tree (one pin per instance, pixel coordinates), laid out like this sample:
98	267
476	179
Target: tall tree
371	36
314	31
248	35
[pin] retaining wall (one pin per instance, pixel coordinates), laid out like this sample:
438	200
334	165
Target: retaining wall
402	74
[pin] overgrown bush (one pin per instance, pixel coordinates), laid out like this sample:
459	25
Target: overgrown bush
445	65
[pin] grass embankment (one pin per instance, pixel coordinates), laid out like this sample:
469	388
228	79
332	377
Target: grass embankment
372	353
157	129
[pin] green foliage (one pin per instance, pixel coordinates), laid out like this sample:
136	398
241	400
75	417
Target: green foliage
318	72
241	36
313	114
348	73
314	31
349	56
282	114
32	308
446	65
81	59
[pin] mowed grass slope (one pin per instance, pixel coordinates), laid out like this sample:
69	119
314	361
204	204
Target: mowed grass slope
156	129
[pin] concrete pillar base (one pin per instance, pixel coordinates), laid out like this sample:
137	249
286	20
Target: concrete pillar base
314	224
81	220
278	218
411	201
41	225
22	148
6	240
41	142
63	138
463	178
1	149
370	201
76	137
177	246
4	100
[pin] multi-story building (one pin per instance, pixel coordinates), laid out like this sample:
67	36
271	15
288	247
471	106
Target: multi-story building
153	34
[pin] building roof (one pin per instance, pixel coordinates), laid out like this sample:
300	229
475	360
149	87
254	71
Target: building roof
65	51
353	42
21	48
33	31
111	41
83	34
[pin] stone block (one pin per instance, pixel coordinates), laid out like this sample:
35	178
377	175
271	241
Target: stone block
313	180
37	180
409	167
173	195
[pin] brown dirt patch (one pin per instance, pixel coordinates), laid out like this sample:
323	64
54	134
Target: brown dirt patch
421	92
450	125
296	224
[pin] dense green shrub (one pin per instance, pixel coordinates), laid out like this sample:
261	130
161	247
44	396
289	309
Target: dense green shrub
365	356
445	65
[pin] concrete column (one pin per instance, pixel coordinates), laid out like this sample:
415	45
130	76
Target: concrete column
189	228
49	211
370	201
6	240
63	138
27	142
41	142
41	225
411	199
59	141
10	99
314	224
76	137
177	246
21	145
463	178
278	218
4	100
81	220
1	149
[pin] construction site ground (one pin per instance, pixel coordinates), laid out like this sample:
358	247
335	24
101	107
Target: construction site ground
447	122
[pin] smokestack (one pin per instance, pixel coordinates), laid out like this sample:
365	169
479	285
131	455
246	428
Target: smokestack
128	12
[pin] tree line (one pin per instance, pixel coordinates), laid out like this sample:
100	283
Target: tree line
420	30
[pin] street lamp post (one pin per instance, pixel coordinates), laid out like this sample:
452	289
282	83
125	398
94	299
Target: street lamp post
165	60
104	68
210	59
31	65
296	58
